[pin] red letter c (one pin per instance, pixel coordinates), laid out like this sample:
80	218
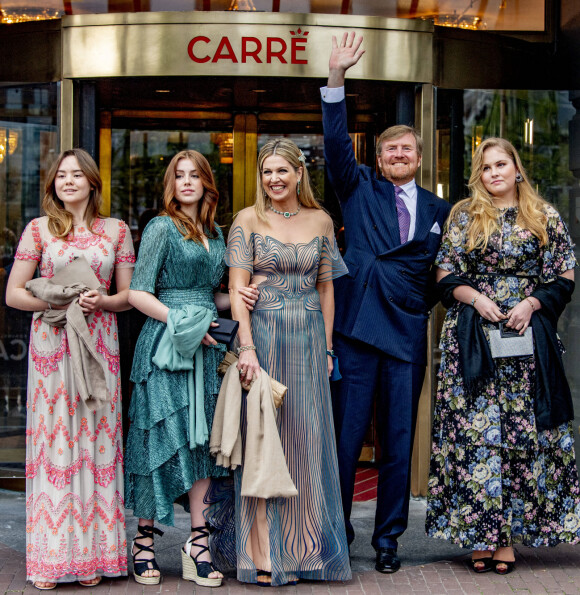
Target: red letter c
190	49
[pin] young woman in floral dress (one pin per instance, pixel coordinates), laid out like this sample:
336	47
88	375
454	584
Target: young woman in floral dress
503	468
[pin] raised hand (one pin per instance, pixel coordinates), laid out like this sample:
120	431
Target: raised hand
343	55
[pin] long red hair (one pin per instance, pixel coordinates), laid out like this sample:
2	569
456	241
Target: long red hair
207	206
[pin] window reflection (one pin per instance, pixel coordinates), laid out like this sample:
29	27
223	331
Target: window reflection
139	161
28	144
502	15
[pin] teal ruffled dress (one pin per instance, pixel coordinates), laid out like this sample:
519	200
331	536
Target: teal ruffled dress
160	466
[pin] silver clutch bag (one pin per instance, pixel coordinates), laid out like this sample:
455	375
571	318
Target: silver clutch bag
507	342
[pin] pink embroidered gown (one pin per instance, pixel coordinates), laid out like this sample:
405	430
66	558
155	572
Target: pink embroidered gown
75	519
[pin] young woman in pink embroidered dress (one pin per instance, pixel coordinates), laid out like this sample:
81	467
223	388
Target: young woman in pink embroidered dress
75	520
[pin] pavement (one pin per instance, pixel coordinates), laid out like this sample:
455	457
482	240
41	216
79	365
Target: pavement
429	566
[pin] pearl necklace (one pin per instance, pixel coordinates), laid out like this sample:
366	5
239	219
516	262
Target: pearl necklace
285	214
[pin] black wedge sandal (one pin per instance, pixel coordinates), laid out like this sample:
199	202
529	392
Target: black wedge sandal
195	571
140	567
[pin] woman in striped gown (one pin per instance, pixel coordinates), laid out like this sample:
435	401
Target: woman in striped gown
285	243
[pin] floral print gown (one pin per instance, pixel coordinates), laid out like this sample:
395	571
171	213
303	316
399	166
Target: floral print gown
75	513
494	479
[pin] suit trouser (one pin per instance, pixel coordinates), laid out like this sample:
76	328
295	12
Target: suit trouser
367	373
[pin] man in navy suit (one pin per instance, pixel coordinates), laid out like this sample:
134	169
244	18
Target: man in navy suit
392	233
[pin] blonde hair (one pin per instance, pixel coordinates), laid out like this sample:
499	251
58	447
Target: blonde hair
207	206
60	221
288	150
481	211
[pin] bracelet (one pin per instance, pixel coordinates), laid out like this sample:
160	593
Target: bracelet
330	352
474	299
246	348
531	303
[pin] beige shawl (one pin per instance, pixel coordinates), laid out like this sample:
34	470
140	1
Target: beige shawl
65	288
265	473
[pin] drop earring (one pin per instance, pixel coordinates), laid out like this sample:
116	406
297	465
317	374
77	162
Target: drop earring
298	188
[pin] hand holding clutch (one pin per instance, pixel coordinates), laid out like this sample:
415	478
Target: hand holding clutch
278	389
226	331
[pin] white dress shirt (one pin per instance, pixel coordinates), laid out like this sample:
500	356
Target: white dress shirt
332	94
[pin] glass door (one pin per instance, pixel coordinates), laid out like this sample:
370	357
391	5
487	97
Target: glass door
28	144
139	159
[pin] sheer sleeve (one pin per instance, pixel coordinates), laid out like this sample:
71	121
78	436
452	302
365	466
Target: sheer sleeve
451	255
30	245
331	264
124	252
153	252
558	254
240	249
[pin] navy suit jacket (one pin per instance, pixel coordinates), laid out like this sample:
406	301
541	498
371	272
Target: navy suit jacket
384	299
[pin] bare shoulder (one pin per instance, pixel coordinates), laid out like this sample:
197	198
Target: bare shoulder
247	218
321	219
318	215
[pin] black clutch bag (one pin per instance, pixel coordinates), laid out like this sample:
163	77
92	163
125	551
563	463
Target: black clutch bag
226	331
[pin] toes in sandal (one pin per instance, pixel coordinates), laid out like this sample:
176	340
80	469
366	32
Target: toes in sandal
195	571
480	565
266	578
93	582
508	566
140	567
43	588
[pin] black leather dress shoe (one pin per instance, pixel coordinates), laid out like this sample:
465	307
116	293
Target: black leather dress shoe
387	560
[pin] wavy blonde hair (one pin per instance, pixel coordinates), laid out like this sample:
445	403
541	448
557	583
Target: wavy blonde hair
207	205
288	150
480	208
60	221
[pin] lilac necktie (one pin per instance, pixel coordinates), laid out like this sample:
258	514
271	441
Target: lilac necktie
403	215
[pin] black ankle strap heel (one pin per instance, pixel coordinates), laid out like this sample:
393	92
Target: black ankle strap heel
142	566
195	571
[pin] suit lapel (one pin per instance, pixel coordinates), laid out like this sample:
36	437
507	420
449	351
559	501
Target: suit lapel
425	217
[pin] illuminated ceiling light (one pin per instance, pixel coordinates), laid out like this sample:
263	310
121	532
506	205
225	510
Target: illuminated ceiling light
25	15
259	90
162	90
225	144
242	5
529	131
457	21
461	19
2	144
12	141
